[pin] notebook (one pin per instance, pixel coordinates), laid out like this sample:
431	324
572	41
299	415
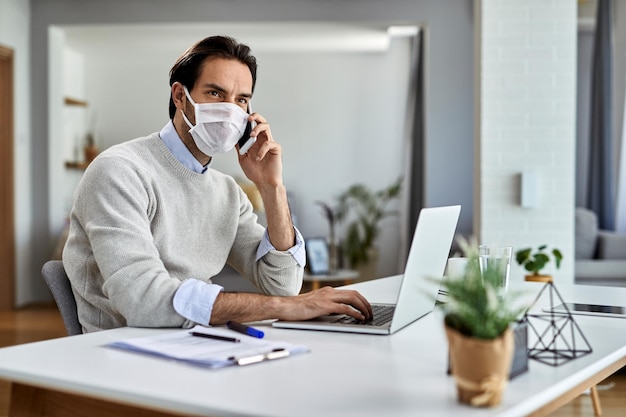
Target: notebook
423	272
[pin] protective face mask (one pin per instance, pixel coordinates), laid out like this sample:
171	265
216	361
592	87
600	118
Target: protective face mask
218	126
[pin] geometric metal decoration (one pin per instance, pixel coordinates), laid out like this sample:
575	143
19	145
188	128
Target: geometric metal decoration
559	339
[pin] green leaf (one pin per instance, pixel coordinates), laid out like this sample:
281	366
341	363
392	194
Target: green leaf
558	257
522	255
535	262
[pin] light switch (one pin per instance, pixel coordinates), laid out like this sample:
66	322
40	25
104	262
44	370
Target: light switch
529	189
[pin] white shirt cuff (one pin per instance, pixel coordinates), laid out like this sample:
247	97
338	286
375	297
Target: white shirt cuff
297	251
194	300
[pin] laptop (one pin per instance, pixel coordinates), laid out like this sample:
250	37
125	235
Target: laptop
422	276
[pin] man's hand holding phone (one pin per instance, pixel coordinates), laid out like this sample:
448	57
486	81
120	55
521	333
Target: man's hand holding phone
263	166
262	162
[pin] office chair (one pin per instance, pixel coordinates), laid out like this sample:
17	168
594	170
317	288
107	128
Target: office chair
59	284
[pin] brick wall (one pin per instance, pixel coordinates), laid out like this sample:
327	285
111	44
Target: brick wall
525	121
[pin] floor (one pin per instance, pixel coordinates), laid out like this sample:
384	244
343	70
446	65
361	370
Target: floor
23	326
44	322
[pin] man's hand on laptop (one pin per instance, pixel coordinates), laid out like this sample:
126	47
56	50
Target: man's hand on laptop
327	300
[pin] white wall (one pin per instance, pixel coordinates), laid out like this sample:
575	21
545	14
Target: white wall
525	99
14	33
67	129
338	115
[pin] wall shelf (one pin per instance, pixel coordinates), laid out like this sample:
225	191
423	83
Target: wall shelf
69	101
76	165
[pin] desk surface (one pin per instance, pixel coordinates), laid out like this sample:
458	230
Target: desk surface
343	375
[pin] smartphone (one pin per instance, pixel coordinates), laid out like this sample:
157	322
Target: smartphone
246	142
590	309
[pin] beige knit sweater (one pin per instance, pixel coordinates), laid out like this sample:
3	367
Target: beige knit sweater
142	223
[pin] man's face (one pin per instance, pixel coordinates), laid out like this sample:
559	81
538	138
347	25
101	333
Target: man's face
220	80
223	80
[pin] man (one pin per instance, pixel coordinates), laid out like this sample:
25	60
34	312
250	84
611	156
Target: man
152	222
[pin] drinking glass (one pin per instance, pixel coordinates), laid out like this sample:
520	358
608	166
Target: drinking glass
497	258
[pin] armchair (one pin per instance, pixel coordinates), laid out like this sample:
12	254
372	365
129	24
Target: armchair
600	254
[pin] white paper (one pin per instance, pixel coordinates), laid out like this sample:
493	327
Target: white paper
200	351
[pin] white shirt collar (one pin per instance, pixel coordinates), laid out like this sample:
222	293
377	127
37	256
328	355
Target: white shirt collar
175	144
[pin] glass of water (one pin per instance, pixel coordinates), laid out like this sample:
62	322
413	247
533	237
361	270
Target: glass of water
497	258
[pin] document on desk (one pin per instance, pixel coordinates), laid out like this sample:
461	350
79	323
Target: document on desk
222	348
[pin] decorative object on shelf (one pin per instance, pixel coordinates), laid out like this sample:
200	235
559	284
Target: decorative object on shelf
317	255
367	208
535	261
91	150
89	153
478	326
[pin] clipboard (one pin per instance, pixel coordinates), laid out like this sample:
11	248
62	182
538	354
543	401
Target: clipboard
210	352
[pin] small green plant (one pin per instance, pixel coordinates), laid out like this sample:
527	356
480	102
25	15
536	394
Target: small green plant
535	261
475	305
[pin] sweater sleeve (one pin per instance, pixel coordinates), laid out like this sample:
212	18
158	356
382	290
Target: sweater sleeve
113	207
275	272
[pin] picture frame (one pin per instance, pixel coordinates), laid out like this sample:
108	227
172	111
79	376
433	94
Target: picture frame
317	255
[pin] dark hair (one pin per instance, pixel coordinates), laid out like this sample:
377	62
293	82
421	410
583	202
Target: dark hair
187	67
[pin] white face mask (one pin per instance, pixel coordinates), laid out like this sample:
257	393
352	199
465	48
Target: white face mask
218	126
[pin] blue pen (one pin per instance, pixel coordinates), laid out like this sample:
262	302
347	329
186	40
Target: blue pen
242	328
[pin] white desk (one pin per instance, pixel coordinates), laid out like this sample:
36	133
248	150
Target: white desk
344	375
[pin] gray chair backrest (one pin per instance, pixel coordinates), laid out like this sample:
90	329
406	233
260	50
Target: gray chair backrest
59	284
586	233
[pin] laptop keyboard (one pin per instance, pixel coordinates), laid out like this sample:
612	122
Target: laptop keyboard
382	315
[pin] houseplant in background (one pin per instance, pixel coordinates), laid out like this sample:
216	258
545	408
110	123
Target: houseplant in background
363	209
479	332
333	246
536	261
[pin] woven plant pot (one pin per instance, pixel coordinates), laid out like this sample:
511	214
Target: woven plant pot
480	367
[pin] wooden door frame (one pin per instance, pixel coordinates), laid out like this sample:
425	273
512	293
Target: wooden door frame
7	197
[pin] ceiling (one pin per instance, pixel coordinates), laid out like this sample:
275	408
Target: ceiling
293	37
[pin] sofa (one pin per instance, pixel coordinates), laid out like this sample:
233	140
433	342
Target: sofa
600	254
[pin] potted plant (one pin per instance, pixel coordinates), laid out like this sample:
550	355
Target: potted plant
91	150
535	261
478	328
366	208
